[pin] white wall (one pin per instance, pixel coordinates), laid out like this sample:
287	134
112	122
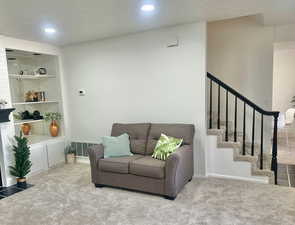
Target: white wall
220	163
240	53
136	78
283	76
284	33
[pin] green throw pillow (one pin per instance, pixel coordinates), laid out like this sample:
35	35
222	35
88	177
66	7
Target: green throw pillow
116	146
166	146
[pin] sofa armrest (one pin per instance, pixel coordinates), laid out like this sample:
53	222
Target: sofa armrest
179	170
95	153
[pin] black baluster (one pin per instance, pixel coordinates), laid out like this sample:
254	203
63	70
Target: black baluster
253	133
244	130
226	117
210	120
235	132
274	161
261	144
218	118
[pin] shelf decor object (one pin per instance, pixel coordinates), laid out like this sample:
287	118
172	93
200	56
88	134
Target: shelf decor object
26	128
35	96
42	71
3	103
54	127
4	114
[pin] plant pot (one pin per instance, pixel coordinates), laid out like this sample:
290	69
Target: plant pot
21	182
54	128
26	128
71	158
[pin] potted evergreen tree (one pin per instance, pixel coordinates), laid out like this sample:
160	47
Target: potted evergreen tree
22	164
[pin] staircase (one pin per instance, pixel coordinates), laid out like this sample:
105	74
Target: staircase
262	163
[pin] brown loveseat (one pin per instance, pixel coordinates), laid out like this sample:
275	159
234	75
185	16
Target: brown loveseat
141	172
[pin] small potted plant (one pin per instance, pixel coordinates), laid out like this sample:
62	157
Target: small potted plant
22	165
70	154
53	117
3	103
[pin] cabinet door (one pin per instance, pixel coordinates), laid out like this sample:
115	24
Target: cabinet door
38	158
55	152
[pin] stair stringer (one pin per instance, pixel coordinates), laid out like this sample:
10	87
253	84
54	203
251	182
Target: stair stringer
224	160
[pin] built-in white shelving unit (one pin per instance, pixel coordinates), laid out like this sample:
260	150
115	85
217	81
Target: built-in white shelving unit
20	122
32	103
37	139
24	77
30	77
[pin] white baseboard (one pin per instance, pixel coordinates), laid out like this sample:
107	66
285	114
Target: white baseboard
10	181
238	178
200	176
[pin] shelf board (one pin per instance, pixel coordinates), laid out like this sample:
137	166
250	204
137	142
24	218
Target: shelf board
35	139
32	103
30	77
20	122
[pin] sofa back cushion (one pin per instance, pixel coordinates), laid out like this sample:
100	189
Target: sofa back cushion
182	131
138	133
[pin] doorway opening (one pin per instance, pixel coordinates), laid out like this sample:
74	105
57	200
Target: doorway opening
284	101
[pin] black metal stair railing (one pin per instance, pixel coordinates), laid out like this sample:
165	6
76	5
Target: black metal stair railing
256	109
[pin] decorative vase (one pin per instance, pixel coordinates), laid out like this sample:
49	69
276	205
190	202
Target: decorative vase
26	128
21	182
54	128
71	158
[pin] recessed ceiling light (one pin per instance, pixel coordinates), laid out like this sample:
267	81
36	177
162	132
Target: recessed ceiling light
49	30
148	8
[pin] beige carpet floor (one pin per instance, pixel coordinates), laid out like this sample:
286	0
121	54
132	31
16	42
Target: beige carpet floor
65	196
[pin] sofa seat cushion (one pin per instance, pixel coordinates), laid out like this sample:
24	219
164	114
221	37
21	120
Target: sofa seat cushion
117	164
148	167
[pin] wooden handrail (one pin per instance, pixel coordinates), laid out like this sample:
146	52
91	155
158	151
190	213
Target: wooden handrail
241	97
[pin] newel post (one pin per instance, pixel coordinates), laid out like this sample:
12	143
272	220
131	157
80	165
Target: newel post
274	161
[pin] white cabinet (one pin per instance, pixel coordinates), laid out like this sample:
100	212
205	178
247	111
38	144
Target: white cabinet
55	152
38	158
46	154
